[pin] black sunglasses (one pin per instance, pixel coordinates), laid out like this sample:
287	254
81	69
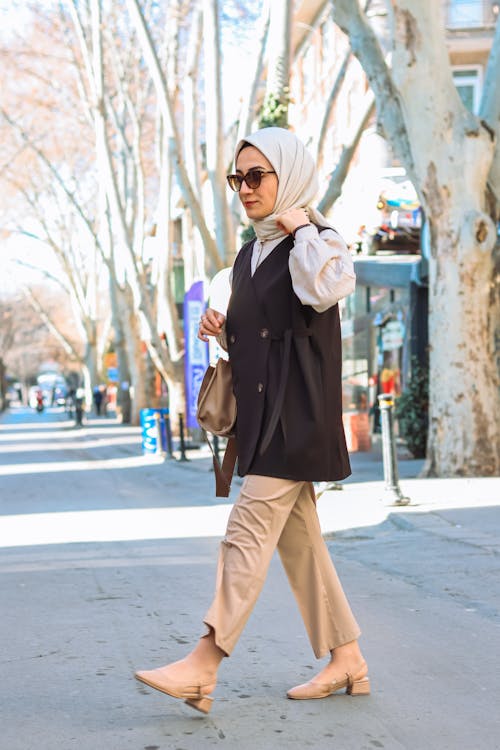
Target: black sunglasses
253	178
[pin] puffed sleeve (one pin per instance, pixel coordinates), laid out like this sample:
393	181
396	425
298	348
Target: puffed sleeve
222	337
321	268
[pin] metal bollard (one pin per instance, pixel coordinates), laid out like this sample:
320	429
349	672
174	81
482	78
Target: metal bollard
182	445
159	446
168	432
392	491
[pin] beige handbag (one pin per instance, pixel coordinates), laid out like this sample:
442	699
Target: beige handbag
216	402
216	413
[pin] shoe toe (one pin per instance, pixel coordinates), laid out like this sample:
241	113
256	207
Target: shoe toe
302	692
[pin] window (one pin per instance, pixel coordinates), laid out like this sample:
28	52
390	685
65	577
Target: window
464	14
468	81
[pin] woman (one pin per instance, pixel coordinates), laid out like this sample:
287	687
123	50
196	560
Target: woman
282	333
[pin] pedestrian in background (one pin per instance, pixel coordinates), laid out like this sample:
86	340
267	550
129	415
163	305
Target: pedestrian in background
282	333
97	397
79	401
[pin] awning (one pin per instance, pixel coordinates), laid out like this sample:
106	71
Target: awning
389	271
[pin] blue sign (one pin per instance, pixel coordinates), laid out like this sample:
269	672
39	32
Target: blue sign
196	359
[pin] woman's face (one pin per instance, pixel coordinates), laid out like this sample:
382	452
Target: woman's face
259	202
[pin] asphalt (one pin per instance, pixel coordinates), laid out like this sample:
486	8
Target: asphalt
107	562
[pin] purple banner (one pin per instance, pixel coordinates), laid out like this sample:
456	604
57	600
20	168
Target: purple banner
196	359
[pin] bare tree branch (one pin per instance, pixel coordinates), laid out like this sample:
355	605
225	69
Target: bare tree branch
42	271
168	114
44	315
341	170
52	169
364	44
332	98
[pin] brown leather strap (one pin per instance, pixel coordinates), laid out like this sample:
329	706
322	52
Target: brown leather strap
278	404
280	397
224	473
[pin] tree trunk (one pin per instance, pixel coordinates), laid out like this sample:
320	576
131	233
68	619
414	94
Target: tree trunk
464	403
136	354
214	129
177	397
191	104
123	395
3	386
91	370
277	98
452	157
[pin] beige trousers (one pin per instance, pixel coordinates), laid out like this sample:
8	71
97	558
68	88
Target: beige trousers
272	512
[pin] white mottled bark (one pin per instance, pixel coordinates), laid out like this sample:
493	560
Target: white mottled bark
452	158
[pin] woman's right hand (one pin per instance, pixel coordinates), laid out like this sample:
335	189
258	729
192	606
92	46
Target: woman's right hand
211	324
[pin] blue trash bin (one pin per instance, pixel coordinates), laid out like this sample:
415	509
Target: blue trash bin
149	434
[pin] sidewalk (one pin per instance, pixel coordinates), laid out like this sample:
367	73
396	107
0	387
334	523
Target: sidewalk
181	495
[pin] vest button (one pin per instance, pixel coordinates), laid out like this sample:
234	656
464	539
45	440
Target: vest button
232	338
260	387
264	333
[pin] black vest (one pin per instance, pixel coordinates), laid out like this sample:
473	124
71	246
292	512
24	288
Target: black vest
286	362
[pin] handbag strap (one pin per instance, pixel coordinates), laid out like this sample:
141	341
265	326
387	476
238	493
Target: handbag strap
224	473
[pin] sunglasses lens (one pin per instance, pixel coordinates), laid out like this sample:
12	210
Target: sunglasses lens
253	178
234	182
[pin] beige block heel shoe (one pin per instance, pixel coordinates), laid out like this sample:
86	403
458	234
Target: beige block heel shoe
196	696
357	685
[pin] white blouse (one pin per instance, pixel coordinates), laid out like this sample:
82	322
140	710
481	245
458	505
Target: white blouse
320	265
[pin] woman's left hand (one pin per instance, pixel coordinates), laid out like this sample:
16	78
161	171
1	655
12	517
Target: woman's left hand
289	220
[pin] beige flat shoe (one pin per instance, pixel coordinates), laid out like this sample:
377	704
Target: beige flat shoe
359	684
195	696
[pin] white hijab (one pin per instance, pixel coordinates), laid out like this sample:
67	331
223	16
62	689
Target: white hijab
297	177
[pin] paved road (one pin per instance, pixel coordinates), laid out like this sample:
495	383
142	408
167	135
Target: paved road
107	562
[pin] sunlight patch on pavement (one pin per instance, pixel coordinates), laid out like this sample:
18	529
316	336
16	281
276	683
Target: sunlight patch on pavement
113	525
357	505
42	445
69	433
129	462
153	523
35	426
42	437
